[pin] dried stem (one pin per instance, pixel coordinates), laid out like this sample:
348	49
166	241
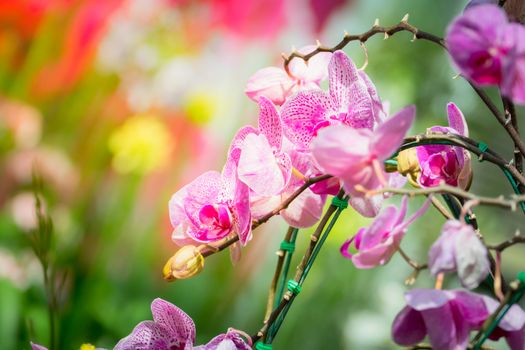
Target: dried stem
402	26
509	203
508	243
510	114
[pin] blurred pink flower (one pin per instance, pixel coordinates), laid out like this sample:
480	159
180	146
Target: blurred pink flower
171	329
356	155
447	317
459	249
352	100
22	120
489	50
441	163
275	84
259	19
263	166
376	244
211	207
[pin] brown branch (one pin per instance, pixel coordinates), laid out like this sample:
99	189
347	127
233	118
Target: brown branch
510	114
508	203
508	243
208	250
507	125
362	38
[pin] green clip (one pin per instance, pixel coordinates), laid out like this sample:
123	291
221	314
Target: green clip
288	246
521	277
294	287
483	147
340	203
263	346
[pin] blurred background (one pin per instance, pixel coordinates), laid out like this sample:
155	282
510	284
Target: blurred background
118	103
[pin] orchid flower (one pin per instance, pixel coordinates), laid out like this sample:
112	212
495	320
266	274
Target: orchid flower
459	249
173	329
276	85
351	100
447	317
489	50
307	208
377	244
356	155
431	165
262	165
211	207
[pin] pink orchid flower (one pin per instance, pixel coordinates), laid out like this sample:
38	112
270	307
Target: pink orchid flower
356	155
351	100
459	249
441	163
489	50
211	207
447	317
377	244
276	85
307	208
173	329
262	165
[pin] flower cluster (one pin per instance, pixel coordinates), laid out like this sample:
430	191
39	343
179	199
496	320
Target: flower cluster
311	143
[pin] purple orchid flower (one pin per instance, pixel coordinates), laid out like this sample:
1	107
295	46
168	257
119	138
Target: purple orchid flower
352	100
489	50
459	249
447	317
441	163
173	329
377	244
262	164
356	155
276	85
211	207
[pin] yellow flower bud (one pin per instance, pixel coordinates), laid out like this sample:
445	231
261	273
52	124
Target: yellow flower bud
87	346
408	165
185	263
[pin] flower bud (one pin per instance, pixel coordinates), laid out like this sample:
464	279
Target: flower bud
408	165
185	263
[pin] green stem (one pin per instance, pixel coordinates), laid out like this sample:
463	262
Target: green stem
285	270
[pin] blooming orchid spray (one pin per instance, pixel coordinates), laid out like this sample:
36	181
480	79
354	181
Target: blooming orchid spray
321	146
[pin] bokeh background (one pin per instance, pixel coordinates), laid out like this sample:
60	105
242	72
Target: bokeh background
118	103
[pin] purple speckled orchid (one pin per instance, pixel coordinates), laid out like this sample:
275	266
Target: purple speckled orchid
262	165
173	329
447	317
211	207
459	249
356	155
377	243
351	100
489	50
442	163
275	84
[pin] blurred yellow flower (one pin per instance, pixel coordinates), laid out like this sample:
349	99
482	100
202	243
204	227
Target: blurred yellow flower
87	346
200	107
140	145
